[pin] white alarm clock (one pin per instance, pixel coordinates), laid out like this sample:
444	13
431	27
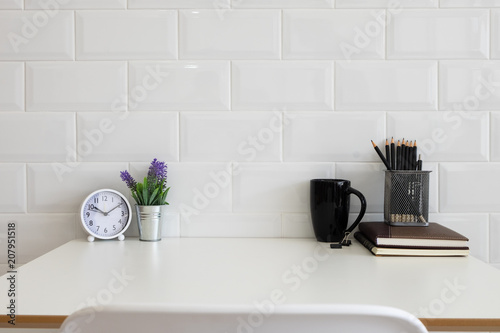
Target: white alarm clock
105	214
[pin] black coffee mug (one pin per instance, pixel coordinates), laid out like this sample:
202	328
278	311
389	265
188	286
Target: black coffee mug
330	201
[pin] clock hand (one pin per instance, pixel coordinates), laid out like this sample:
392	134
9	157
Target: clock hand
113	209
104	213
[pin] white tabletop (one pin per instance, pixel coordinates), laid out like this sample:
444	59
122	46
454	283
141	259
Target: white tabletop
229	271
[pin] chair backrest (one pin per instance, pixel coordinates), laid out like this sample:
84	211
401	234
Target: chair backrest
259	319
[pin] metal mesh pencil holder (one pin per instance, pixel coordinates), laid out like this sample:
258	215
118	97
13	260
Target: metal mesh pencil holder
406	198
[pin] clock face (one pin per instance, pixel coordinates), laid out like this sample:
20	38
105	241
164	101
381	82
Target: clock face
105	214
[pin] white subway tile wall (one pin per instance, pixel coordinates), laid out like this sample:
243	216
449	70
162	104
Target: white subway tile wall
333	31
229	34
37	35
78	86
246	101
180	85
389	4
441	34
386	85
75	4
282	85
11	4
12	86
130	34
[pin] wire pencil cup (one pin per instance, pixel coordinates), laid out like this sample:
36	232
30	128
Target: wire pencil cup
406	198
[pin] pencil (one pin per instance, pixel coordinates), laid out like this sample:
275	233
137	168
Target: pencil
388	152
414	156
398	156
403	154
393	155
419	162
409	156
381	156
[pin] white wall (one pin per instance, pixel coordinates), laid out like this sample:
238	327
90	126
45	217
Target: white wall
246	101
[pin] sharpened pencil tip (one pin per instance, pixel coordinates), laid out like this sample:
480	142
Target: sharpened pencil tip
373	143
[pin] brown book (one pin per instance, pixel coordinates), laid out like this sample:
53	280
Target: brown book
412	252
433	236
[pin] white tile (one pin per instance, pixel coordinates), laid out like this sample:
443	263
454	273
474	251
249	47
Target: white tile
225	136
285	85
368	178
333	34
390	4
331	131
469	187
11	4
278	187
13	194
391	85
36	137
283	3
495	136
369	217
12	83
75	4
469	85
470	3
175	4
444	136
195	188
495	34
443	34
472	226
232	225
179	85
494	235
61	187
106	136
36	35
229	34
297	225
131	34
76	86
37	234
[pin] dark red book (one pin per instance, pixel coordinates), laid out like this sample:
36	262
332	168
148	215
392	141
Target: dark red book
433	236
410	251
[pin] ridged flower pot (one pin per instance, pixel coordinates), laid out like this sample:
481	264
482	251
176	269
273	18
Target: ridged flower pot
149	221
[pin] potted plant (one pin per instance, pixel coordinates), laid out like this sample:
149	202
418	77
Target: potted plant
150	196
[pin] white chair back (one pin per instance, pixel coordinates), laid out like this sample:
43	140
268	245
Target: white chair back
270	319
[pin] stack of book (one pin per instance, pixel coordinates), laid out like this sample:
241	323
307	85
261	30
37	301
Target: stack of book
434	240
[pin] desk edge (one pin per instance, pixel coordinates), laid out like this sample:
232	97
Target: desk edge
432	324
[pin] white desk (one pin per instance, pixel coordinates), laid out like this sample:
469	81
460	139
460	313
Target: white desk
446	293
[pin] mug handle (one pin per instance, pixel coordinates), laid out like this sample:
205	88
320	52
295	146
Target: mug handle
362	199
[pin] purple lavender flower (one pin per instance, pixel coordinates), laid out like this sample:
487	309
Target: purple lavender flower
157	171
127	178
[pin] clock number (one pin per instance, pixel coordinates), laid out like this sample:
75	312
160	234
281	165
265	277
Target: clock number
123	213
96	200
104	198
91	207
120	221
87	213
105	230
91	223
114	227
98	226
